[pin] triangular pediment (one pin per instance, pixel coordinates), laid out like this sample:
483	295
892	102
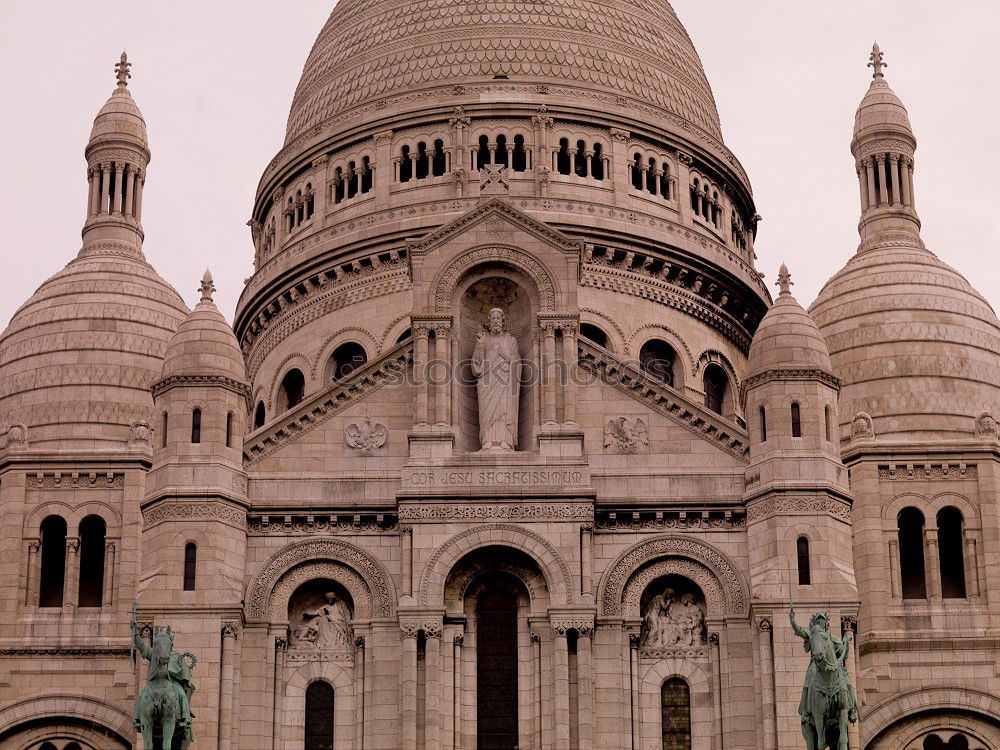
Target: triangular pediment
500	217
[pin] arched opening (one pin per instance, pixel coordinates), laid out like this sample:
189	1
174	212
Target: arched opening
580	159
763	425
229	430
166	422
675	702
190	566
802	554
408	333
501	151
597	162
259	415
405	165
345	359
319	617
594	334
564	163
319	716
673	614
196	426
716	382
293	387
440	161
651	180
367	175
423	162
796	420
912	574
483	154
519	157
657	358
665	180
53	568
952	554
92	534
496	670
636	169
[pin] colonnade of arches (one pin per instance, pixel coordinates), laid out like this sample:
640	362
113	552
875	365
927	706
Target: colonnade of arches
947	545
85	556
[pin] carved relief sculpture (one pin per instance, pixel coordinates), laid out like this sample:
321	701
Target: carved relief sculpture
366	436
622	437
496	363
326	627
673	622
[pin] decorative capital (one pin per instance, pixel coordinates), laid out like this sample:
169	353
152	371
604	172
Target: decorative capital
764	624
72	544
620	135
713	638
280	643
359	643
876	62
34	545
145	630
634	640
383	139
848	624
122	70
230	629
459	640
536	638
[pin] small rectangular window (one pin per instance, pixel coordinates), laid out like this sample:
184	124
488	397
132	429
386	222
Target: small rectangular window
190	565
796	421
196	426
229	430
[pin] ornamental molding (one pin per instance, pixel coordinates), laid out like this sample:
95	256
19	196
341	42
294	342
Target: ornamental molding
659	520
86	651
723	570
201	380
110	247
886	145
940	472
387	370
74	481
329	523
767	507
448	279
715	596
301	656
372	572
792	373
663	400
584	626
692	654
230	630
518	512
346	576
181	511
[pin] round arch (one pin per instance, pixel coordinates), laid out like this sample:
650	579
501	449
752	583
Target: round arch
548	559
382	593
883	716
651	683
458	583
294	702
62	709
448	280
734	589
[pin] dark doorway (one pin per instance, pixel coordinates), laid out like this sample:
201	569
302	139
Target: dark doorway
496	671
319	716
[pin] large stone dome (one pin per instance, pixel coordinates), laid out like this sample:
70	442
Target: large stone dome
916	346
78	358
633	55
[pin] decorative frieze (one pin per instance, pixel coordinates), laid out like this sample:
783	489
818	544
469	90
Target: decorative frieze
790	505
54	651
652	520
938	472
321	523
74	481
184	511
692	654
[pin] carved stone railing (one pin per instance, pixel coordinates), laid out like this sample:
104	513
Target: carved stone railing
663	399
389	368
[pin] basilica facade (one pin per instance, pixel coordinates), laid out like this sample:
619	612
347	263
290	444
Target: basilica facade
509	445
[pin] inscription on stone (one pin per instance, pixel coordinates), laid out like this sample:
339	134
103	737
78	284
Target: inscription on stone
500	477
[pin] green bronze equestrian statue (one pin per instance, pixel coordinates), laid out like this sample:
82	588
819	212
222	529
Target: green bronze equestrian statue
163	708
828	703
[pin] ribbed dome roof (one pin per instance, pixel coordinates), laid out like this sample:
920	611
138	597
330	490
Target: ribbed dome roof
78	358
917	347
119	119
633	54
204	344
787	338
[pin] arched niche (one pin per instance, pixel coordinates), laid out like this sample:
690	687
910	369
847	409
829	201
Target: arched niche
320	612
495	559
483	288
672	606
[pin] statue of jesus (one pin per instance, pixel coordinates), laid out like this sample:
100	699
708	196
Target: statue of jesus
496	363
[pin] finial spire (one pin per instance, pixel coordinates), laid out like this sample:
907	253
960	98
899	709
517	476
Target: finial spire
122	70
784	281
876	62
207	286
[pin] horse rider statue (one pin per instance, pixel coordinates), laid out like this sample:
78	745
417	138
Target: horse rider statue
164	705
828	703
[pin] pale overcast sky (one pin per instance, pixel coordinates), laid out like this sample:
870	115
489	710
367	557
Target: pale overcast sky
214	79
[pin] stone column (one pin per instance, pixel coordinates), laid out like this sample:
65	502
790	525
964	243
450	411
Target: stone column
105	188
894	574
31	579
894	179
971	567
548	373
586	551
457	697
227	657
766	658
904	165
278	691
359	692
140	182
883	185
408	687
932	564
536	688
619	157
381	184
585	687
909	180
443	372
420	331
459	123
71	585
633	650
108	598
93	181
119	188
406	539
570	357
432	685
849	626
870	171
130	191
863	184
715	647
561	688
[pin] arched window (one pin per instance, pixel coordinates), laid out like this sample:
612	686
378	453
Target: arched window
911	554
951	542
293	387
665	180
196	426
423	162
319	716
501	151
675	701
802	553
592	333
657	358
440	160
229	430
405	165
716	383
828	420
367	175
651	181
92	533
796	420
339	186
47	746
404	335
580	159
164	428
53	573
190	566
763	425
483	154
636	169
346	359
259	415
352	179
564	164
597	162
519	158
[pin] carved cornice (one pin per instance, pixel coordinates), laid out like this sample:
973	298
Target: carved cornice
584	626
793	373
315	411
767	507
201	380
74	481
644	519
893	472
230	630
663	400
322	523
185	511
82	651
